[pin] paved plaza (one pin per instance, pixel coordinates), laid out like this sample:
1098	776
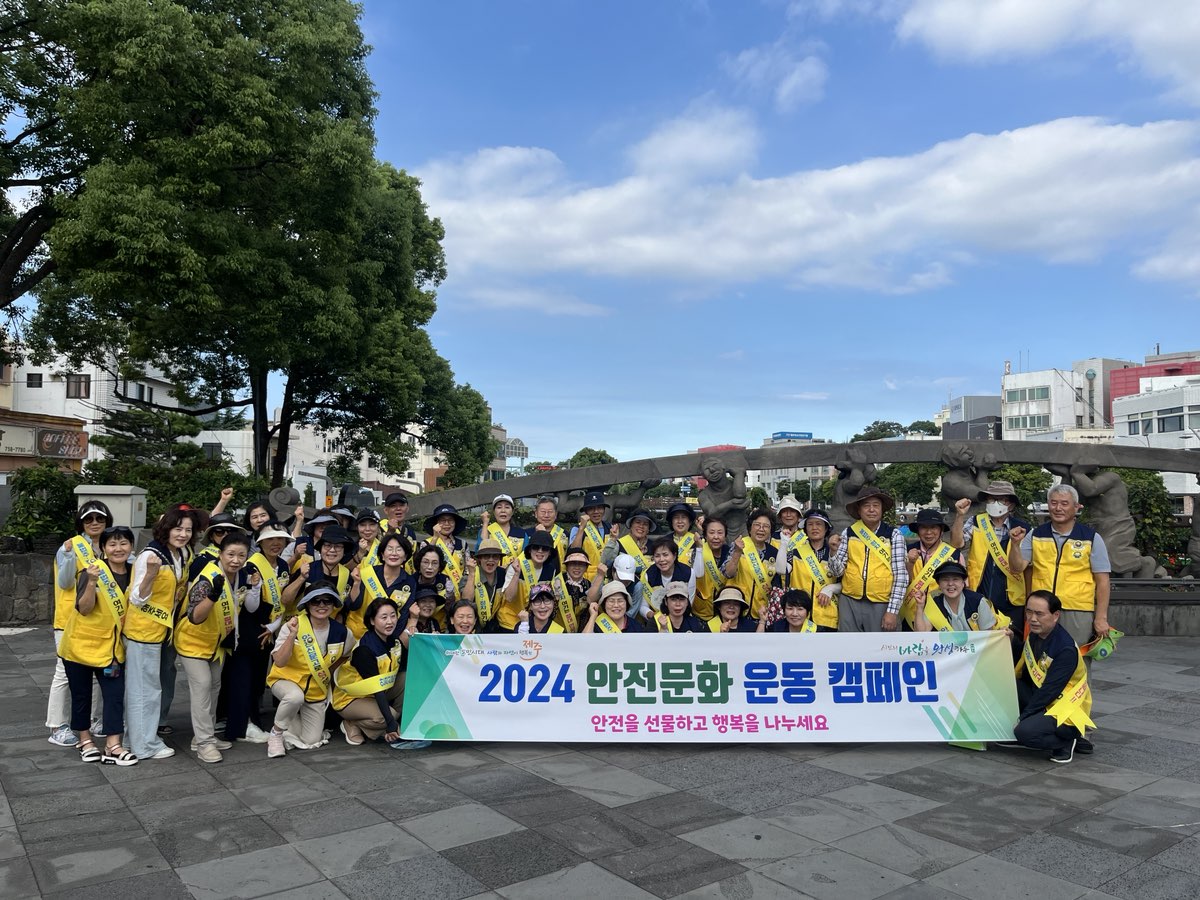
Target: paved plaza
532	820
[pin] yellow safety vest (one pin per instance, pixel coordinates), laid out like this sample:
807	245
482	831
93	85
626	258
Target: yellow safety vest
349	684
510	547
152	622
877	586
753	577
708	585
810	574
95	639
985	543
1067	573
203	641
921	583
300	667
1074	705
592	544
64	598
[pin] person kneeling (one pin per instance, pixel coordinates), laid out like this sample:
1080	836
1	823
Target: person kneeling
954	608
797	615
307	652
1052	688
368	687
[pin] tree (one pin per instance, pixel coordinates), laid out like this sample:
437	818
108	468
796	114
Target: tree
758	498
825	492
1158	532
588	457
343	469
879	429
666	489
923	426
801	490
541	465
910	483
247	230
1029	481
43	504
783	488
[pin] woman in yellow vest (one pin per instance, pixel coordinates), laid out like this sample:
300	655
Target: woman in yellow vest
462	618
308	651
708	565
444	527
925	558
590	533
367	525
368	688
335	555
682	519
808	571
429	564
752	562
158	587
208	631
387	578
91	647
71	559
733	612
537	563
538	615
676	616
485	583
636	542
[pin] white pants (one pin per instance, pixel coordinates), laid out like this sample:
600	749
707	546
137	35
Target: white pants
58	708
306	721
143	696
204	683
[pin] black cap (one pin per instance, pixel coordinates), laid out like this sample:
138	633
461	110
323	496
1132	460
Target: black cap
395	497
594	498
950	568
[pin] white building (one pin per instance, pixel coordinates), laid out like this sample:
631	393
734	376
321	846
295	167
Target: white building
1059	404
1166	414
770	479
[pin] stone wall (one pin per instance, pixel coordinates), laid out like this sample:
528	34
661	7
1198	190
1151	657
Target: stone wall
26	591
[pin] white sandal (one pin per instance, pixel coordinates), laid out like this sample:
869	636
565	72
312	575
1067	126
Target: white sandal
118	756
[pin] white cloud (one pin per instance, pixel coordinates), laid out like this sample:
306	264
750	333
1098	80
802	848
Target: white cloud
1065	191
548	303
807	395
890	383
791	75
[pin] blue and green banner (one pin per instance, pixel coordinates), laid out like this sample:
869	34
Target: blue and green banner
940	686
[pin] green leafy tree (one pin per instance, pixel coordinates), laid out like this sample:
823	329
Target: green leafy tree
802	490
923	426
758	498
1029	481
825	492
43	502
310	495
589	457
664	490
910	483
534	467
783	488
1158	533
879	429
343	469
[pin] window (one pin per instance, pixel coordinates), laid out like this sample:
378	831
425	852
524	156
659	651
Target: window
1079	421
1078	395
1193	420
1020	395
212	451
79	387
33	380
1147	426
1021	422
411	475
1014	396
1135	427
1039	393
149	395
1170	411
1167	424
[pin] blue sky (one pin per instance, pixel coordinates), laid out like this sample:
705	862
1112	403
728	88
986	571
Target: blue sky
673	224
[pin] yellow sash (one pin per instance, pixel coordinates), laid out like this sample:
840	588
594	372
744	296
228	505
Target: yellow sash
226	603
629	545
368	687
372	557
983	524
757	569
712	569
874	543
507	547
453	567
566	607
270	583
807	555
527	571
809	627
483	600
592	533
312	652
918	590
685	545
371	583
1071	707
560	540
607	625
299	561
113	596
83	552
940	623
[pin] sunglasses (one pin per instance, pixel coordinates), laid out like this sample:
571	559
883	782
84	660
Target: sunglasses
320	601
94	517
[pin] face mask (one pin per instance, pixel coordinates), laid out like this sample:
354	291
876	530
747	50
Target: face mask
997	508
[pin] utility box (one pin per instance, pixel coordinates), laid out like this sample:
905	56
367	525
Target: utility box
128	503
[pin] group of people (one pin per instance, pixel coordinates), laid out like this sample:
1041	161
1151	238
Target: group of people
322	612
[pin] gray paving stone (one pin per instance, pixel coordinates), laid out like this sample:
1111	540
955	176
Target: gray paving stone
1066	859
872	762
37	782
943	787
1071	791
986	876
584	880
253	874
164	885
497	784
601	833
267	798
679	812
880	801
363	848
319	819
161	788
750	841
11	846
116	824
1175	790
830	874
746	886
921	890
319	890
16	875
77	866
197	842
1145	758
903	850
218	804
415	799
509	858
987	767
987	820
820	819
633	756
61	804
517	752
1116	835
545	803
429	877
446	763
1092	772
261	771
459	825
1149	881
1184	856
1180	819
747	797
670	868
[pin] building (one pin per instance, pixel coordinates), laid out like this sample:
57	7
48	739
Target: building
975	417
1164	365
771	479
1164	414
1063	404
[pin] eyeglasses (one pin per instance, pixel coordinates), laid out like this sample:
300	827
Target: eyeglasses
542	599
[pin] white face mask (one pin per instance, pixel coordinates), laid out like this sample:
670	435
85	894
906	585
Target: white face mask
997	508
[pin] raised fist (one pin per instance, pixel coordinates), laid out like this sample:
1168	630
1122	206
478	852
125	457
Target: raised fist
1016	533
963	505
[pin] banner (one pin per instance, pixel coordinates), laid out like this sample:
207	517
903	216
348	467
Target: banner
834	688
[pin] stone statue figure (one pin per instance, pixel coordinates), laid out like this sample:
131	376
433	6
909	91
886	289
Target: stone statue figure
1106	499
725	497
283	502
1193	547
962	477
570	503
854	472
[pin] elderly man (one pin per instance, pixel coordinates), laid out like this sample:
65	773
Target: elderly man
872	563
1052	687
546	514
985	544
1068	559
395	507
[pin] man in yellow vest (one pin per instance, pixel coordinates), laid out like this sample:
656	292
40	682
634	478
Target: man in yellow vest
872	563
1068	559
1052	687
985	544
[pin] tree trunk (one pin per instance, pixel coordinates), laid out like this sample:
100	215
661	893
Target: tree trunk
262	424
283	436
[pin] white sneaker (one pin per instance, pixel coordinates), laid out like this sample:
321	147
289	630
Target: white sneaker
216	742
209	754
63	736
254	735
164	753
275	747
97	729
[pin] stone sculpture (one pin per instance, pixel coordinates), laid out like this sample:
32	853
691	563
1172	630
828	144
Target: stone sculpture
962	477
1106	499
854	472
725	497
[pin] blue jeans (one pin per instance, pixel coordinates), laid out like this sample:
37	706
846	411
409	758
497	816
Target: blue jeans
143	694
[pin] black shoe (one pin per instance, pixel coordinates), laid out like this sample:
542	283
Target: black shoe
1084	747
1064	754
